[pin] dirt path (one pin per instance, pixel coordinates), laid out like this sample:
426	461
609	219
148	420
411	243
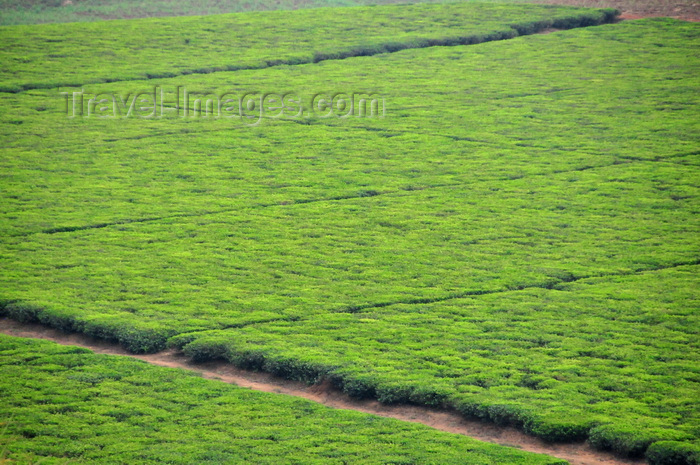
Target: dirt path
577	454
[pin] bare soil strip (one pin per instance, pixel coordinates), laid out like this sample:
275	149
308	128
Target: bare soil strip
687	10
576	454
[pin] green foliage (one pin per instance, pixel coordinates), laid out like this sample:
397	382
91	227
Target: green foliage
673	453
630	440
143	337
521	250
52	11
85	53
607	356
561	430
68	405
22	311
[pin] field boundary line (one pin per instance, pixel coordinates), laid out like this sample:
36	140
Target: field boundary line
365	194
324	389
68	325
514	30
551	286
441	419
388	132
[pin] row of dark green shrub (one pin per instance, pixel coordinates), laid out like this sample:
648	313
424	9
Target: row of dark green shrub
145	337
362	386
65	404
582	19
625	441
673	453
594	18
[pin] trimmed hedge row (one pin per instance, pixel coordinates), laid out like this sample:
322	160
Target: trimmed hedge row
205	348
391	47
65	404
583	19
143	337
602	16
660	449
363	386
673	453
622	440
628	440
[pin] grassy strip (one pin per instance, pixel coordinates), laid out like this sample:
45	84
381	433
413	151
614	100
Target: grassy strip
66	403
611	360
77	54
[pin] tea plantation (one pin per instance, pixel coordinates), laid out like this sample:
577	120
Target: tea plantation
514	237
62	55
68	405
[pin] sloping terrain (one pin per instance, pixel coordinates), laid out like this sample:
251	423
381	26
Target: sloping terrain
79	54
52	11
68	405
514	238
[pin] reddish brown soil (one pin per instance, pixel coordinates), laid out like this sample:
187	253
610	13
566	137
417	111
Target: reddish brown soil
688	10
576	454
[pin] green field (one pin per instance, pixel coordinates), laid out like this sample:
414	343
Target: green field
68	405
57	11
60	11
79	54
515	238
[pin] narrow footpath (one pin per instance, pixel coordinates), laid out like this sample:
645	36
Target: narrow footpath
576	454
